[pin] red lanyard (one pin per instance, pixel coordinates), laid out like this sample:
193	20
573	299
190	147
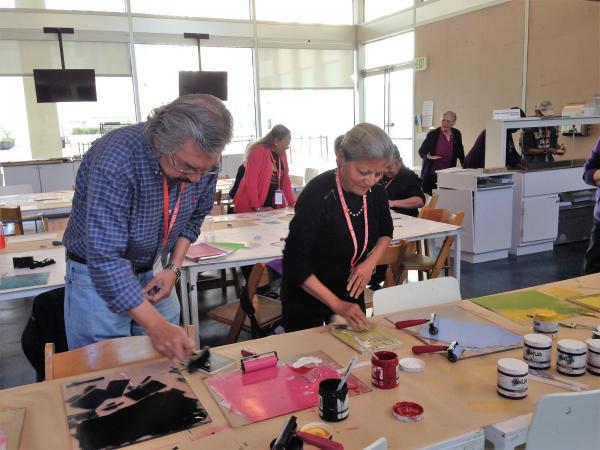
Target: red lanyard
349	222
278	169
167	230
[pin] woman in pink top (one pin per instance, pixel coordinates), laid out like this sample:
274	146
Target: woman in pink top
266	183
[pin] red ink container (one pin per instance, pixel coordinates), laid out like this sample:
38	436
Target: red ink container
385	370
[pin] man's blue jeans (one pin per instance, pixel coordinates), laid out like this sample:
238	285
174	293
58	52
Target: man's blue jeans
87	317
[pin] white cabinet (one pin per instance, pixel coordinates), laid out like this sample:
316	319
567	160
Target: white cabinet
25	174
539	218
487	201
57	177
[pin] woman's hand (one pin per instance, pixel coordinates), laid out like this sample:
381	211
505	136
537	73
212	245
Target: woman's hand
160	286
430	156
352	313
359	277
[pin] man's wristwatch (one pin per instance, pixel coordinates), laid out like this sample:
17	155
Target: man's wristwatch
175	269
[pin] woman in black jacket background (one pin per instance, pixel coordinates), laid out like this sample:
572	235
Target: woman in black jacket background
440	150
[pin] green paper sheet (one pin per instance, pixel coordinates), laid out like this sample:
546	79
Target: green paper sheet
230	245
518	305
24	280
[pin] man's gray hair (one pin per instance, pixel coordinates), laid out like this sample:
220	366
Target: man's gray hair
200	117
366	141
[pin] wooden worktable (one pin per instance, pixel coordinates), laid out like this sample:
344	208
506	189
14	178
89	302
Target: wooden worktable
457	398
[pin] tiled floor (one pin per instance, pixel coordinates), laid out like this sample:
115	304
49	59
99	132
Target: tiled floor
477	279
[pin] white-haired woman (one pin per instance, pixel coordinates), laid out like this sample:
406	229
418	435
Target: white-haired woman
341	228
440	150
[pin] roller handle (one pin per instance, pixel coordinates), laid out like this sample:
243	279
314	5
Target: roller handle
418	349
410	323
319	442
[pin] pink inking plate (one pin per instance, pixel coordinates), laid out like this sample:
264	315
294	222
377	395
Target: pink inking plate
275	391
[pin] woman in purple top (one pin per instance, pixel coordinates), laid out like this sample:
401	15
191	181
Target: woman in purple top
440	150
591	175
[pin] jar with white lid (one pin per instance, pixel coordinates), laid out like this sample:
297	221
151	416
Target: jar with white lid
571	357
593	356
537	350
512	378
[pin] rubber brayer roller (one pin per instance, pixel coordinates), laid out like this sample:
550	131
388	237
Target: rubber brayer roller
258	362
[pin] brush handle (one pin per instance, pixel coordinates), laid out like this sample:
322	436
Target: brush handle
418	349
319	442
410	323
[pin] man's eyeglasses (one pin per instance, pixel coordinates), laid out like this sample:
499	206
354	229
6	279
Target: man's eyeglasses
190	171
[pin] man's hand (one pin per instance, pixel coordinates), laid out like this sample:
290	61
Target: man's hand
560	150
170	340
359	278
160	286
353	314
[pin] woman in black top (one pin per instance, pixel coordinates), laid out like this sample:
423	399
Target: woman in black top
325	269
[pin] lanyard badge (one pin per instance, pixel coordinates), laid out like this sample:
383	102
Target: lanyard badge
355	258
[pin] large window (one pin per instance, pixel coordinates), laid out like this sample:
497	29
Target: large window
158	69
305	11
379	8
81	123
395	50
315	117
77	5
223	9
14	132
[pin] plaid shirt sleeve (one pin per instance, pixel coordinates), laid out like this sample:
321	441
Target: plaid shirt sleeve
110	191
204	206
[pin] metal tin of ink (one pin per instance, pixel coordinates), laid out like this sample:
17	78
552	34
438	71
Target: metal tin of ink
537	350
571	357
593	356
385	370
512	378
545	322
596	333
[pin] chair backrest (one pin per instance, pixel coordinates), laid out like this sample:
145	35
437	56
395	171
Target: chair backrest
260	276
309	174
12	216
379	444
444	216
566	420
100	355
219	196
392	256
416	295
432	203
58	225
16	189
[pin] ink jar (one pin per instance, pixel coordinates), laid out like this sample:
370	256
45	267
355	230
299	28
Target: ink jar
593	356
537	350
545	322
596	333
571	357
385	369
512	378
333	402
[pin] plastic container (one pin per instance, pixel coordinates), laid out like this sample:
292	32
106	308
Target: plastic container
333	404
537	350
512	378
571	357
545	322
593	356
320	429
385	370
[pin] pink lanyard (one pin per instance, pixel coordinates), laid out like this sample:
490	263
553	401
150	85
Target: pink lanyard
389	182
349	222
278	169
171	223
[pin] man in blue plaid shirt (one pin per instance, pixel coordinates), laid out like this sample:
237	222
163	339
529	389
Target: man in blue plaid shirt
141	195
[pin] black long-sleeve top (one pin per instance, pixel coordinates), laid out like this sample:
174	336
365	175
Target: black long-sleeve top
319	243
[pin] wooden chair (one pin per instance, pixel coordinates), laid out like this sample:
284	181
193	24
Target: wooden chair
12	216
266	310
422	247
436	291
390	259
58	225
101	355
432	203
428	264
219	197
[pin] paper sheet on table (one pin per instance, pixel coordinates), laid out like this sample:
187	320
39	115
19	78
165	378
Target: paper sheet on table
23	280
472	335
